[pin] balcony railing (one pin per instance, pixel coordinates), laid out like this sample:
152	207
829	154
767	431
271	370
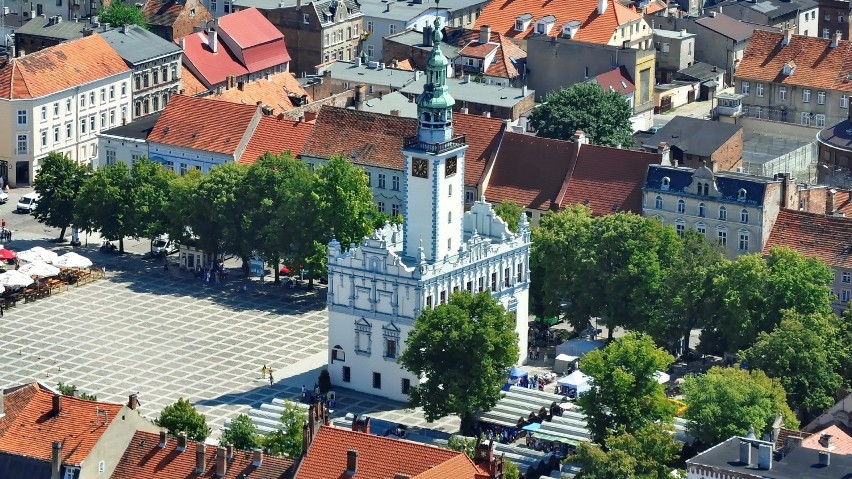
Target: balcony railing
414	142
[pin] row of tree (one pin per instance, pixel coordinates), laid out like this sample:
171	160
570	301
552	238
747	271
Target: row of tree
278	207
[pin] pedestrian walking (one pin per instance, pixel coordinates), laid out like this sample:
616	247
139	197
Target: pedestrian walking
3	224
271	380
263	372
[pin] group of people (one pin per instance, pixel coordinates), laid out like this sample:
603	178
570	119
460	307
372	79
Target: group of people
329	398
216	273
536	382
556	448
501	434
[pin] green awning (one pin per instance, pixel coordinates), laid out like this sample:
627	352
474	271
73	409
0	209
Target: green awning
547	321
554	438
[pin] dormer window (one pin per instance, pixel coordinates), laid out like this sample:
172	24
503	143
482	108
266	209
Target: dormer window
523	22
741	195
570	29
665	184
544	24
789	68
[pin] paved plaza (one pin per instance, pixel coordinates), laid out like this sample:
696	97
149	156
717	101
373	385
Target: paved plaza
166	335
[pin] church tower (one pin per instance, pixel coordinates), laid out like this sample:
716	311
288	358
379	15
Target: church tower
434	168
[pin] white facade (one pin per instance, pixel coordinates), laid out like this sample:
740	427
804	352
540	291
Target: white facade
67	122
112	149
807	23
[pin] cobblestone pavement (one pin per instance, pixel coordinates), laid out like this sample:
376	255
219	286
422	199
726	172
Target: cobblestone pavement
166	335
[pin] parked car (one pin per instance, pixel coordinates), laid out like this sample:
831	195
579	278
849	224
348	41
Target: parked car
163	246
4	197
27	203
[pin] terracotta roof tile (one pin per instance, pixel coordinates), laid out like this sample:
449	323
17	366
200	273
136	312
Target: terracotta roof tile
30	427
59	68
274	92
378	457
160	13
186	122
617	79
405	65
841	439
190	83
530	171
276	136
478	50
144	459
594	28
817	64
503	65
606	176
656	6
828	238
483	136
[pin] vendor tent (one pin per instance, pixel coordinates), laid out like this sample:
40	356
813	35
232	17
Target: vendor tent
662	377
37	253
578	347
516	373
576	381
563	363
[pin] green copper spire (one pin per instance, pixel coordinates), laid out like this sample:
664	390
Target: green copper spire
435	104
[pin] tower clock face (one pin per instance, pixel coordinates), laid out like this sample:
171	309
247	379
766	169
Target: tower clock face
450	167
420	168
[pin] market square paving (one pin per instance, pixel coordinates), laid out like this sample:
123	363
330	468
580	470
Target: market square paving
167	336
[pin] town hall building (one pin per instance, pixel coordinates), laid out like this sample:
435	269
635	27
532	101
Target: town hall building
376	289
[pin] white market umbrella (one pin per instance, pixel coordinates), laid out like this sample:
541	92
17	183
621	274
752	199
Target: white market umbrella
40	269
15	279
73	260
38	254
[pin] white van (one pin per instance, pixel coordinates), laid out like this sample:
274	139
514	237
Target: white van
162	246
27	203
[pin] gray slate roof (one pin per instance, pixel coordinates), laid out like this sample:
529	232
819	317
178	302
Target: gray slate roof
694	135
729	27
65	29
138	129
137	45
391	101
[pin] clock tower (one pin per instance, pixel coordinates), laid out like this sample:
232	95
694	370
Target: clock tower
434	168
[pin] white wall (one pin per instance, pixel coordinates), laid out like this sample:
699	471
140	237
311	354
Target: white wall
807	23
203	160
126	149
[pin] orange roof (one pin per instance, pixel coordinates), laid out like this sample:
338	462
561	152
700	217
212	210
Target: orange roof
594	28
276	136
817	64
144	459
379	458
190	83
828	238
405	65
483	136
30	426
478	50
60	68
655	6
502	65
841	439
274	92
203	124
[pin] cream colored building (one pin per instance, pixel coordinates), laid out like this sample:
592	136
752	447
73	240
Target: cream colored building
59	99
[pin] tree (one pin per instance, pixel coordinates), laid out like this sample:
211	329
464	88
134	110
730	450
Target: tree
71	390
510	212
465	348
604	116
462	444
651	450
625	394
149	195
726	402
242	434
105	204
58	184
510	470
182	417
803	351
287	439
324	381
119	13
751	292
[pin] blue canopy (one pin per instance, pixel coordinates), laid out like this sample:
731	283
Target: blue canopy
532	427
516	373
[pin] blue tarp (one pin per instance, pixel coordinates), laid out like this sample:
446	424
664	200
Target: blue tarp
532	427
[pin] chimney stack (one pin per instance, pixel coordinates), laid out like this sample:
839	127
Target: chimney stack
163	439
106	27
200	457
181	441
831	205
229	451
745	452
133	402
485	34
764	457
257	458
824	458
602	4
57	404
428	39
183	43
221	462
463	110
394	112
351	462
524	91
665	154
56	460
580	138
214	40
837	38
788	35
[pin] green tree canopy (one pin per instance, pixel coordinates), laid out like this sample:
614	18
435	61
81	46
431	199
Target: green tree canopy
120	13
241	433
105	204
805	352
58	185
625	394
150	189
287	439
183	417
465	348
510	212
604	116
726	402
647	454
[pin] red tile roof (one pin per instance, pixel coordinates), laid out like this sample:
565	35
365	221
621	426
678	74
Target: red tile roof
483	136
60	68
274	92
144	459
204	124
380	458
606	176
478	50
828	238
617	79
841	439
212	68
594	28
276	136
655	6
405	65
190	83
531	171
503	65
249	28
30	427
817	64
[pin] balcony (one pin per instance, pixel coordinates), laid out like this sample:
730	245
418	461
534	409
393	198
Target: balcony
729	104
413	142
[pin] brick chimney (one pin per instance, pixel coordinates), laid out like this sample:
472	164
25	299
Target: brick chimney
200	457
788	35
665	154
580	138
133	402
361	424
257	457
56	460
485	34
57	404
221	462
164	439
351	462
836	40
181	441
830	201
229	451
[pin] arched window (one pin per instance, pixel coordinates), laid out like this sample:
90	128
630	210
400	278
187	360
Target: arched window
337	354
666	182
681	206
702	210
701	228
741	195
680	227
699	188
706	189
744	216
658	202
723	213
